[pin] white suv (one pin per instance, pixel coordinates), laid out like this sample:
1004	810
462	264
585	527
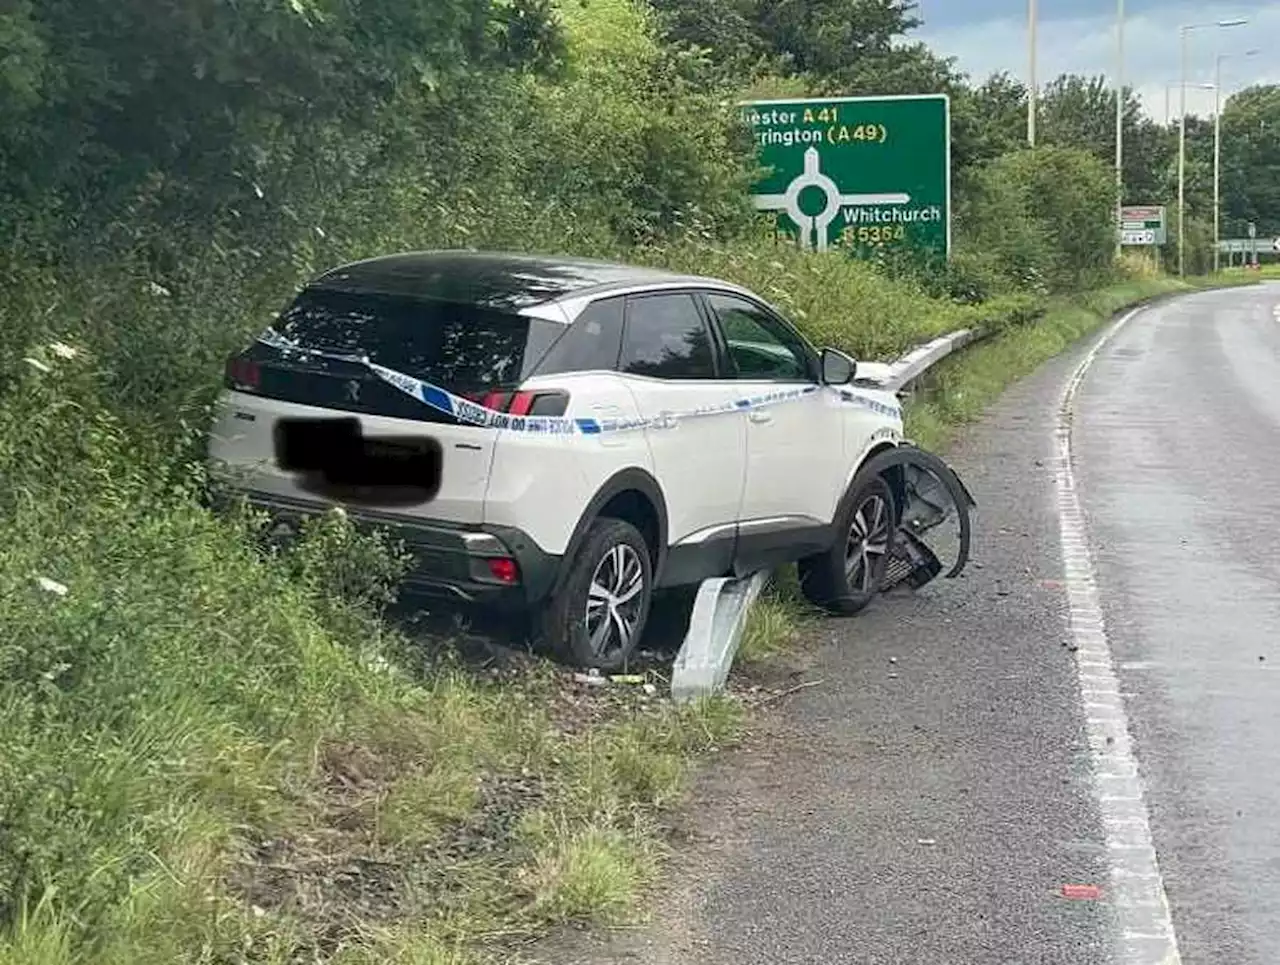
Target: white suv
586	433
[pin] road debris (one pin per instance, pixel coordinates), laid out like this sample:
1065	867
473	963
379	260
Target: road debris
52	586
791	690
1081	892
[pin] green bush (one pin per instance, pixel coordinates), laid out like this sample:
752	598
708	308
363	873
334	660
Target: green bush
1045	218
1199	244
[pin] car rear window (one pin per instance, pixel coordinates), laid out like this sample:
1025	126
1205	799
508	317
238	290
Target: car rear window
591	344
450	344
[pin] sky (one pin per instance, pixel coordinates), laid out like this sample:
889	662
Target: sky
1079	37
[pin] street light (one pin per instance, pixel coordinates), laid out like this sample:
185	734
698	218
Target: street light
1031	73
1217	152
1119	124
1168	94
1182	137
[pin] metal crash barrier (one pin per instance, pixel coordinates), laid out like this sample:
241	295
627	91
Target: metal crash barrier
930	492
719	620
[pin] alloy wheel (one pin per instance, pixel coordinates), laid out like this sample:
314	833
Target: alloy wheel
614	600
868	543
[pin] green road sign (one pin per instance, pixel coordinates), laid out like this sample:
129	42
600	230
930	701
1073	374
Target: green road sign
1143	224
864	173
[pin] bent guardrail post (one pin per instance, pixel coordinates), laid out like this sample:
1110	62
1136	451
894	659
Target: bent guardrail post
716	627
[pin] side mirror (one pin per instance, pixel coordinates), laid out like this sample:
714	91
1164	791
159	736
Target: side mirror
837	368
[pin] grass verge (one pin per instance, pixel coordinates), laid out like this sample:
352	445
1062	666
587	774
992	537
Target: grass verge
959	389
1268	272
213	752
775	623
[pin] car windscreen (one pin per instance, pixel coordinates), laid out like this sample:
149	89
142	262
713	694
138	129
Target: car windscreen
449	344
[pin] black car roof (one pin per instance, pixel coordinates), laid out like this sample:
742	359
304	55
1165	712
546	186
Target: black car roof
496	280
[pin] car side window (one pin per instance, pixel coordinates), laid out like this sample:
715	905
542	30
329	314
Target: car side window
592	342
666	338
758	347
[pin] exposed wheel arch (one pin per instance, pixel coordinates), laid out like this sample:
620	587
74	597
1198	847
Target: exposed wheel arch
904	454
894	474
633	495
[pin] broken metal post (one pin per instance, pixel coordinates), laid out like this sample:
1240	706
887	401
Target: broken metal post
719	620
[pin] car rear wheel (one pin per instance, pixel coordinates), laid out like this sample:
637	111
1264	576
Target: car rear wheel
846	578
598	615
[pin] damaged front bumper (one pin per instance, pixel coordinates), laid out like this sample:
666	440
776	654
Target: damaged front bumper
929	493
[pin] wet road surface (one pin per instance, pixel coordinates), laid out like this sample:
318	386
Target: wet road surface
1178	449
928	801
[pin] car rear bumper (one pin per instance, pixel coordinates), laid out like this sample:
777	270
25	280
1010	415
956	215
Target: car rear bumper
451	560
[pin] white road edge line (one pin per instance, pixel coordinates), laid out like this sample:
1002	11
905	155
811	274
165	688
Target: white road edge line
1137	889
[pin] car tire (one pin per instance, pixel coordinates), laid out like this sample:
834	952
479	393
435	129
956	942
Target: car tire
582	623
846	578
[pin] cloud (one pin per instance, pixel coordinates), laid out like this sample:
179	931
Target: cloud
1087	45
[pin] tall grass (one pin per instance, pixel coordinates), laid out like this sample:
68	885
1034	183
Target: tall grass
175	698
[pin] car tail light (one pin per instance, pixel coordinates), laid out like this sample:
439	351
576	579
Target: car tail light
503	569
242	373
535	402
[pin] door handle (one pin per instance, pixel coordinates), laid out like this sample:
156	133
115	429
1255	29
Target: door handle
610	440
760	415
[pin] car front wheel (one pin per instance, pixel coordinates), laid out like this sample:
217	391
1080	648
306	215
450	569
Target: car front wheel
846	578
598	616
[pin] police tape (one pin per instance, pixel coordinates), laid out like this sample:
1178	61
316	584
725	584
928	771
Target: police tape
472	413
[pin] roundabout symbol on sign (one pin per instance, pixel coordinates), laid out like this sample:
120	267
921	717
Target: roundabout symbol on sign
813	228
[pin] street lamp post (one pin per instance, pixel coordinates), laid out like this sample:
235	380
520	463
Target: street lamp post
1185	31
1119	123
1032	93
1168	97
1217	154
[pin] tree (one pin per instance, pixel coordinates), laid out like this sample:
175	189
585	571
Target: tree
831	39
105	95
1251	161
988	120
842	47
1080	112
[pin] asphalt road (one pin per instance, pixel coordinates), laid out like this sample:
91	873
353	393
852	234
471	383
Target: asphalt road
929	800
1178	447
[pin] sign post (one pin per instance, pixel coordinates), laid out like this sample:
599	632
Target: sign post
1249	249
866	174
